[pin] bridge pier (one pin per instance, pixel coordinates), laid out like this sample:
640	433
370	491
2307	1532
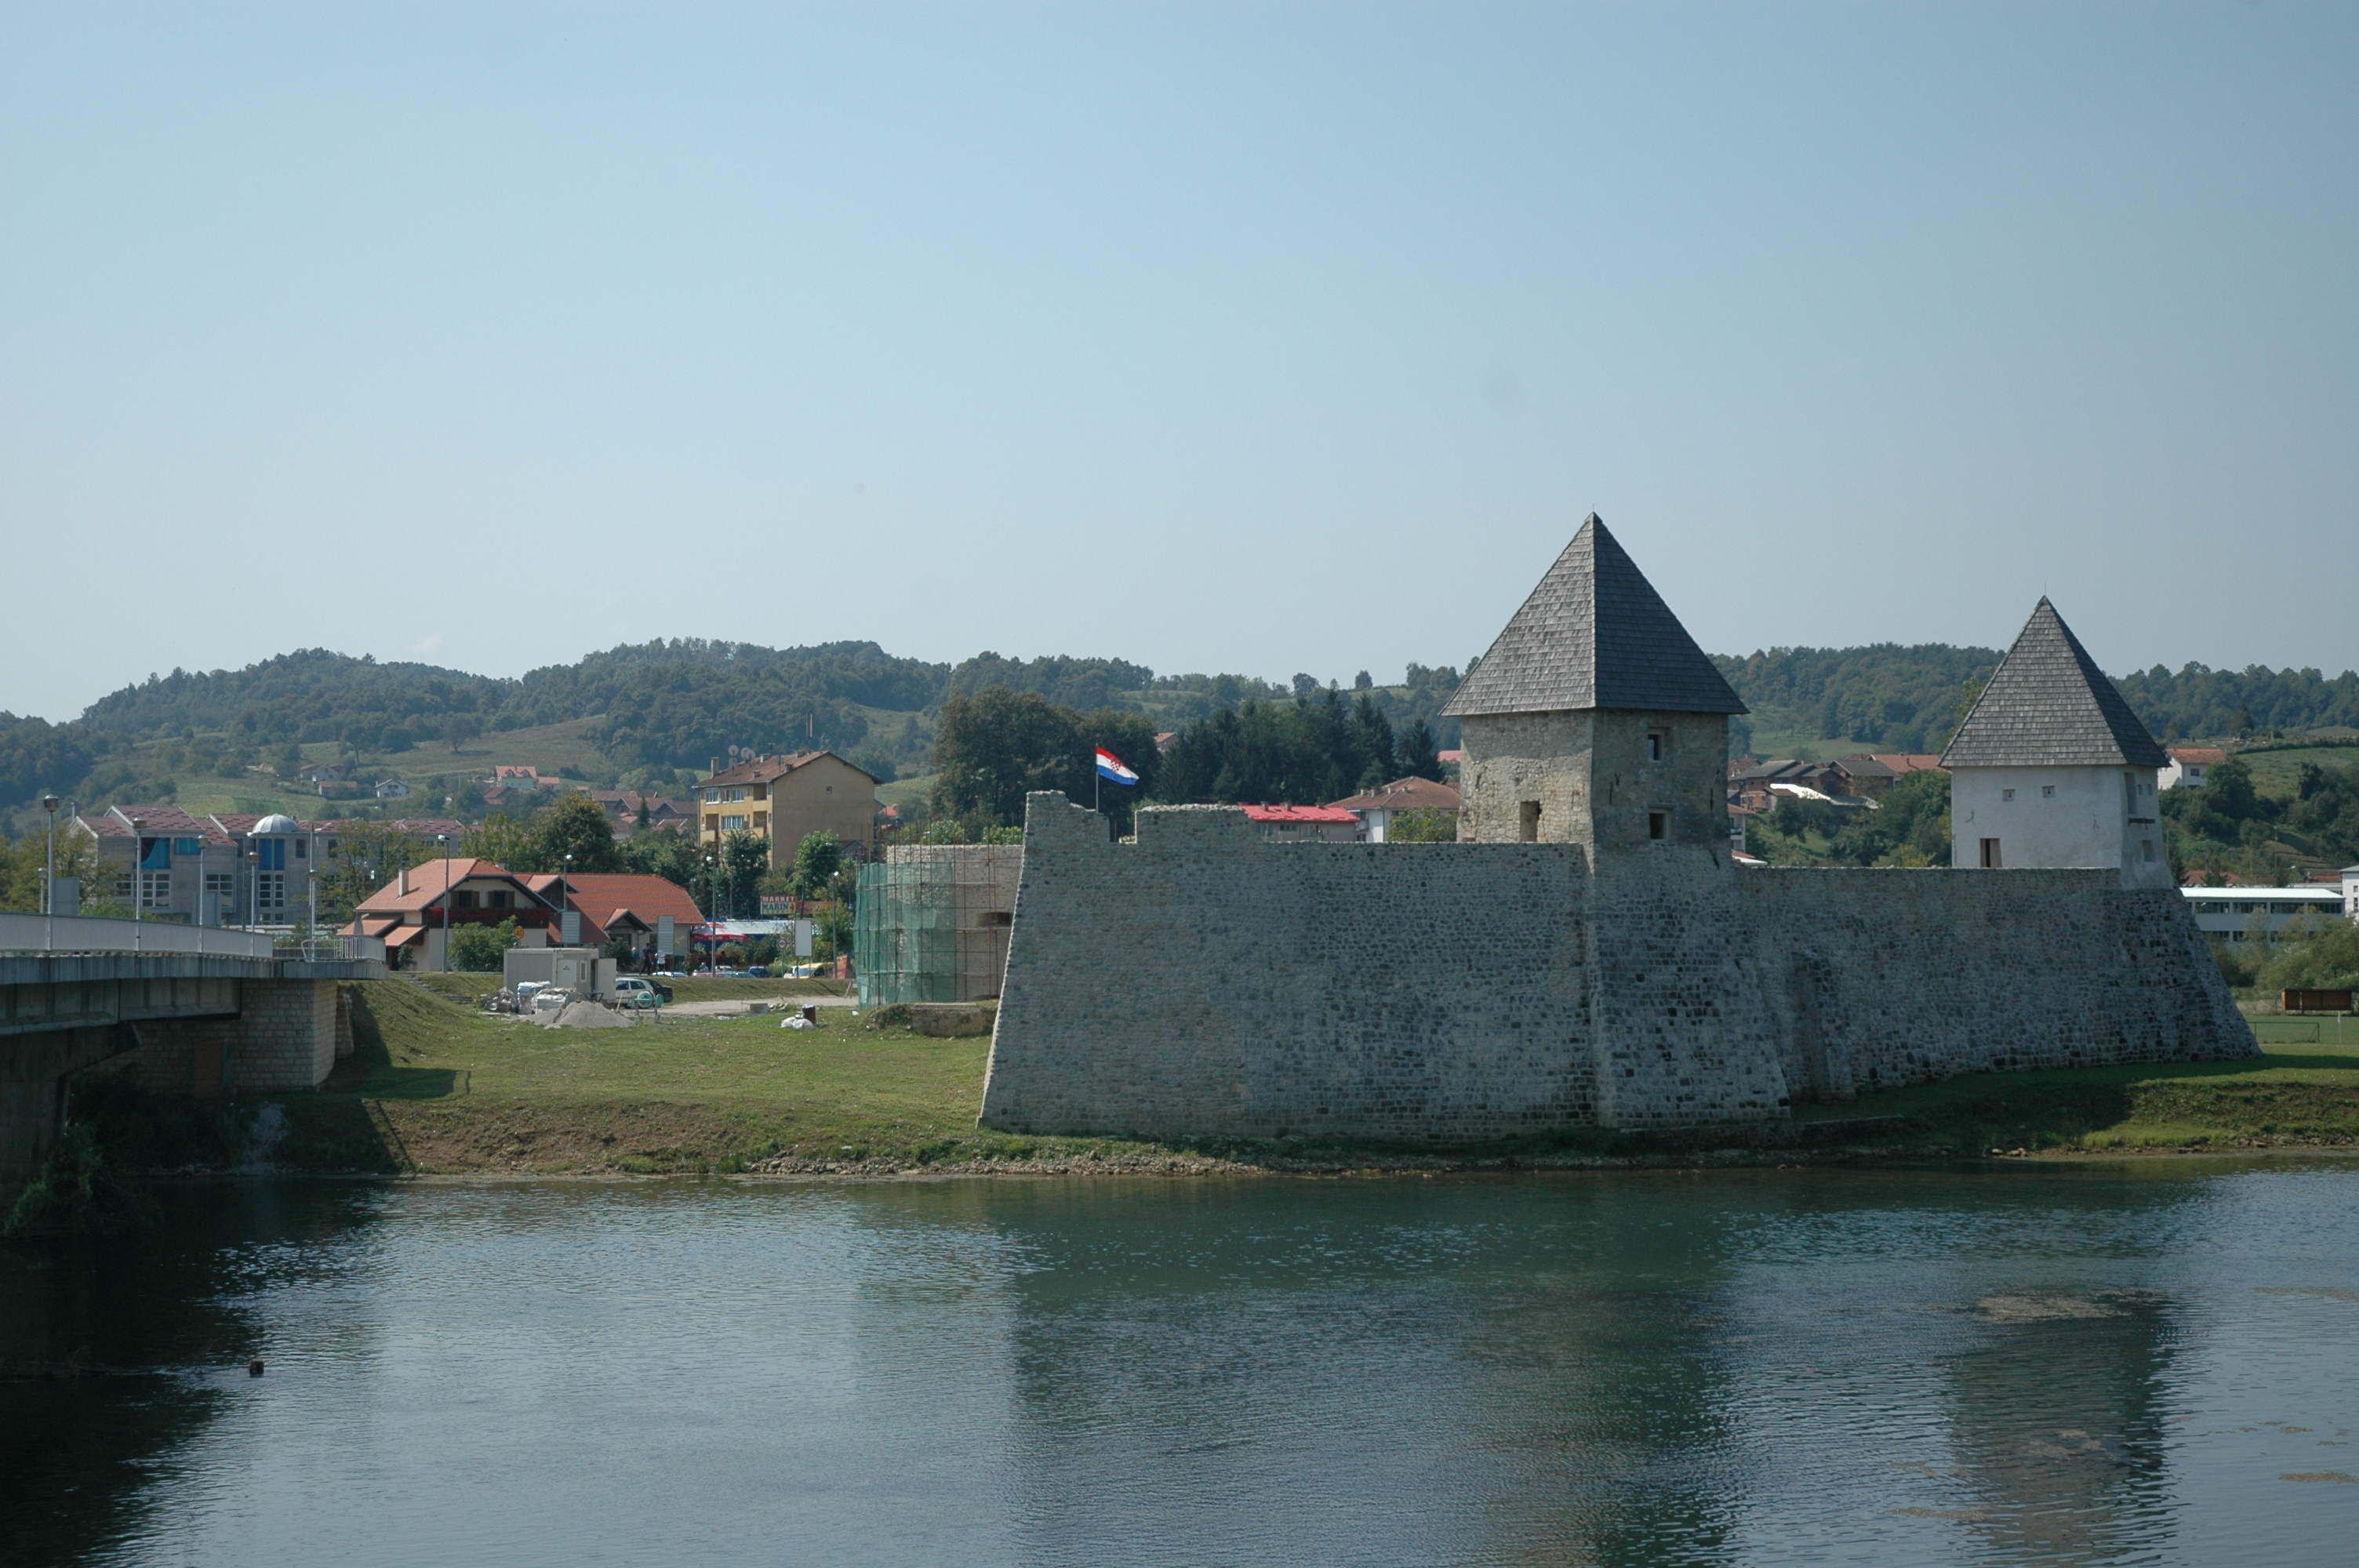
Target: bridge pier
197	1024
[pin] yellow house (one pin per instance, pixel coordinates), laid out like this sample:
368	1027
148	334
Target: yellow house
787	798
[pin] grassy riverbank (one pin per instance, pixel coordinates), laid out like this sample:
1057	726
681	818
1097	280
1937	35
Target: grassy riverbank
436	1086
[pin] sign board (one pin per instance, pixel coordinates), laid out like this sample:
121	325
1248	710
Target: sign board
571	922
65	896
665	931
803	930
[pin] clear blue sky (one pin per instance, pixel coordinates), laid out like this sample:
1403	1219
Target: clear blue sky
1255	338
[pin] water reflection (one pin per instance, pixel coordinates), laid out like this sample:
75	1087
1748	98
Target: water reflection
113	1356
1672	1367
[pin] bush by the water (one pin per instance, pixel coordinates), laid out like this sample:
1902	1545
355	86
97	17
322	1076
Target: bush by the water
74	1195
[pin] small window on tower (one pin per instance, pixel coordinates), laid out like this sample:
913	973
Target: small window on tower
2006	794
1659	825
1527	824
2047	792
1656	741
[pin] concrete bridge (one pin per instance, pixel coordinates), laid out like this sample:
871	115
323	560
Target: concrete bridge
209	1012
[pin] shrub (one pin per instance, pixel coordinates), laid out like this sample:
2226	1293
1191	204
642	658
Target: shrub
480	949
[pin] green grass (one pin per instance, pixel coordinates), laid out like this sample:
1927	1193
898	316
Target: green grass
2274	773
437	1086
718	988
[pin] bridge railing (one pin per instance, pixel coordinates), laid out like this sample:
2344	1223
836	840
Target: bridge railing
22	933
327	947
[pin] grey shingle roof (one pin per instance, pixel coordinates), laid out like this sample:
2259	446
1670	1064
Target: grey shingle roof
2048	705
1594	634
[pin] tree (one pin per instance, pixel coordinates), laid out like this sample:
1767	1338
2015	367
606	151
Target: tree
997	746
502	838
459	729
480	949
744	856
1420	757
817	859
1422	828
575	825
669	855
23	863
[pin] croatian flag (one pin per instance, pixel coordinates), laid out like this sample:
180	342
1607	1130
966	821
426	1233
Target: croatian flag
1110	767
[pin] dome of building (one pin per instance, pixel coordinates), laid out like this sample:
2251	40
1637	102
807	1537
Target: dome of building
276	826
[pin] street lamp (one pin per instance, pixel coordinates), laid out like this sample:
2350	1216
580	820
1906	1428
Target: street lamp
49	880
712	899
138	875
565	892
444	839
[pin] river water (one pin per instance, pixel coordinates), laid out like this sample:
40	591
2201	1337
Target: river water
2151	1363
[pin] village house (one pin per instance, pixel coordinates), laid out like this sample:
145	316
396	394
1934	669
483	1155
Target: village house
630	908
785	799
2188	765
1375	808
415	913
625	805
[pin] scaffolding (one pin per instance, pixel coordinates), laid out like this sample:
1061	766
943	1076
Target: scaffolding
932	922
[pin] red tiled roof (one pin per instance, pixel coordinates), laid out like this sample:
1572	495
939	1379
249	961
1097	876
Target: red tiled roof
1300	813
762	770
1909	762
1455	754
602	896
428	885
162	822
2201	756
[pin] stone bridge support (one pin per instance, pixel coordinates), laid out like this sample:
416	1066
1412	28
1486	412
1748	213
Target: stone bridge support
178	1023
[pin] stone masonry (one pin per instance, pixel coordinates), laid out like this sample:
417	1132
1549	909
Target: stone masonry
1204	981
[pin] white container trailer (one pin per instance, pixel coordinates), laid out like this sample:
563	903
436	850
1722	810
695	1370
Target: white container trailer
577	969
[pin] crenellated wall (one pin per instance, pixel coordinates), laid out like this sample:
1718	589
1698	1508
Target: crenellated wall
1206	981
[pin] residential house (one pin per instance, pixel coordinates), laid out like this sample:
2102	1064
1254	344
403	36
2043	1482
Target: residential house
787	798
177	866
393	789
319	773
2052	768
623	806
416	912
625	907
1305	824
2189	765
1756	786
1377	807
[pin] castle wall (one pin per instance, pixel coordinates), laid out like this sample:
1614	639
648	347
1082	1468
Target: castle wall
1207	982
1873	979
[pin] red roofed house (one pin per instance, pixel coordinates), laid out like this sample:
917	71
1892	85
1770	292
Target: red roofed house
1305	824
2188	766
415	912
618	906
1374	808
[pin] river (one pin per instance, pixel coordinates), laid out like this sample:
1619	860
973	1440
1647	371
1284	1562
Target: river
2142	1363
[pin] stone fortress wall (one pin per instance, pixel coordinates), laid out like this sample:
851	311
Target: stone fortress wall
1204	981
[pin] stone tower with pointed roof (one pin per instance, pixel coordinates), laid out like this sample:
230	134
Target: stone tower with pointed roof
1595	719
2052	769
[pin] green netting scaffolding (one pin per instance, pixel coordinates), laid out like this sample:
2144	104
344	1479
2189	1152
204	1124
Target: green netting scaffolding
932	923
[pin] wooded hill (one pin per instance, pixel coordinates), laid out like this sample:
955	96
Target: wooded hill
661	710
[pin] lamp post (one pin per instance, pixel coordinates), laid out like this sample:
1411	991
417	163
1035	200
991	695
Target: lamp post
712	895
49	878
565	894
253	884
444	839
139	876
312	882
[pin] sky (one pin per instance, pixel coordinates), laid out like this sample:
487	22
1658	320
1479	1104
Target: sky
1261	337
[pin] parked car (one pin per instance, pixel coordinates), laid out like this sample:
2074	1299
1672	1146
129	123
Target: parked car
758	972
551	999
636	994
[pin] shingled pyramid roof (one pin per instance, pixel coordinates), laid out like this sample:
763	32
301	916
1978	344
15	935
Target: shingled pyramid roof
1594	634
2048	705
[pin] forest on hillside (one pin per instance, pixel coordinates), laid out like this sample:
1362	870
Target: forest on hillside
661	710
